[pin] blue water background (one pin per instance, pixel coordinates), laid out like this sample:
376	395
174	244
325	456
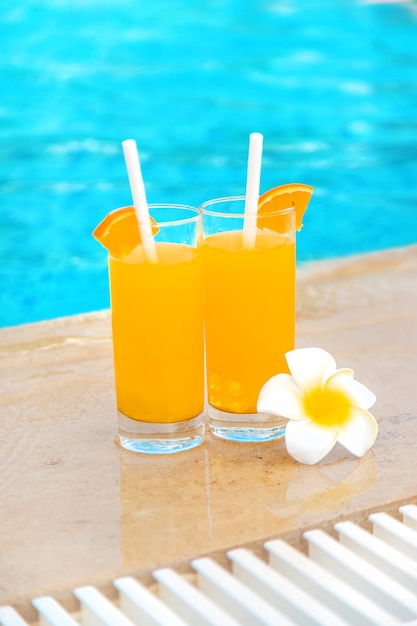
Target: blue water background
332	85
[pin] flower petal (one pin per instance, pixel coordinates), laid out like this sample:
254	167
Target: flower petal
282	396
308	442
359	432
310	367
342	382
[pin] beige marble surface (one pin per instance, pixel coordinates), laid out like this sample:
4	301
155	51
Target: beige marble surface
75	509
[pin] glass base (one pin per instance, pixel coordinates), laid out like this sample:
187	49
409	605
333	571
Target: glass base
246	428
153	438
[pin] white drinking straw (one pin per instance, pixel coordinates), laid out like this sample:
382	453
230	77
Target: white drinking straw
137	189
253	181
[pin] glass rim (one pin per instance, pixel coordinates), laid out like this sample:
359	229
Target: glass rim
168	205
224	199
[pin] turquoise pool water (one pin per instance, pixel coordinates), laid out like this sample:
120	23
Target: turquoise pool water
332	85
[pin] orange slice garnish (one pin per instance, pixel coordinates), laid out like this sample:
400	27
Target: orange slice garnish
119	231
280	198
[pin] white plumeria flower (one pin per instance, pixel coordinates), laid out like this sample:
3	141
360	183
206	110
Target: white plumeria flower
324	405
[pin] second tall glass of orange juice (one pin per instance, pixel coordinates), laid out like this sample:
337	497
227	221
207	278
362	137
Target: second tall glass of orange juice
158	340
249	315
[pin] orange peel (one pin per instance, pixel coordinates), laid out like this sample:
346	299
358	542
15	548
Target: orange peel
119	232
282	197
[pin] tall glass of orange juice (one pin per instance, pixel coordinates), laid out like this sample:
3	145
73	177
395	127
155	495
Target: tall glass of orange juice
249	314
158	340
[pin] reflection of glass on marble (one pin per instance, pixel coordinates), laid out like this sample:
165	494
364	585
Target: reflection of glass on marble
164	508
244	484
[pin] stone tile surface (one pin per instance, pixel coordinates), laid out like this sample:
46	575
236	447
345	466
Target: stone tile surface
76	509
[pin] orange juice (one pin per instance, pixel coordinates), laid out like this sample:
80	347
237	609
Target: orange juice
157	322
249	315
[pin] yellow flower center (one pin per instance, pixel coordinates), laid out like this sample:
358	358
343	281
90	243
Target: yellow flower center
328	408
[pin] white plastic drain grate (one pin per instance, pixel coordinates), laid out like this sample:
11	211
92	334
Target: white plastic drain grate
361	579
